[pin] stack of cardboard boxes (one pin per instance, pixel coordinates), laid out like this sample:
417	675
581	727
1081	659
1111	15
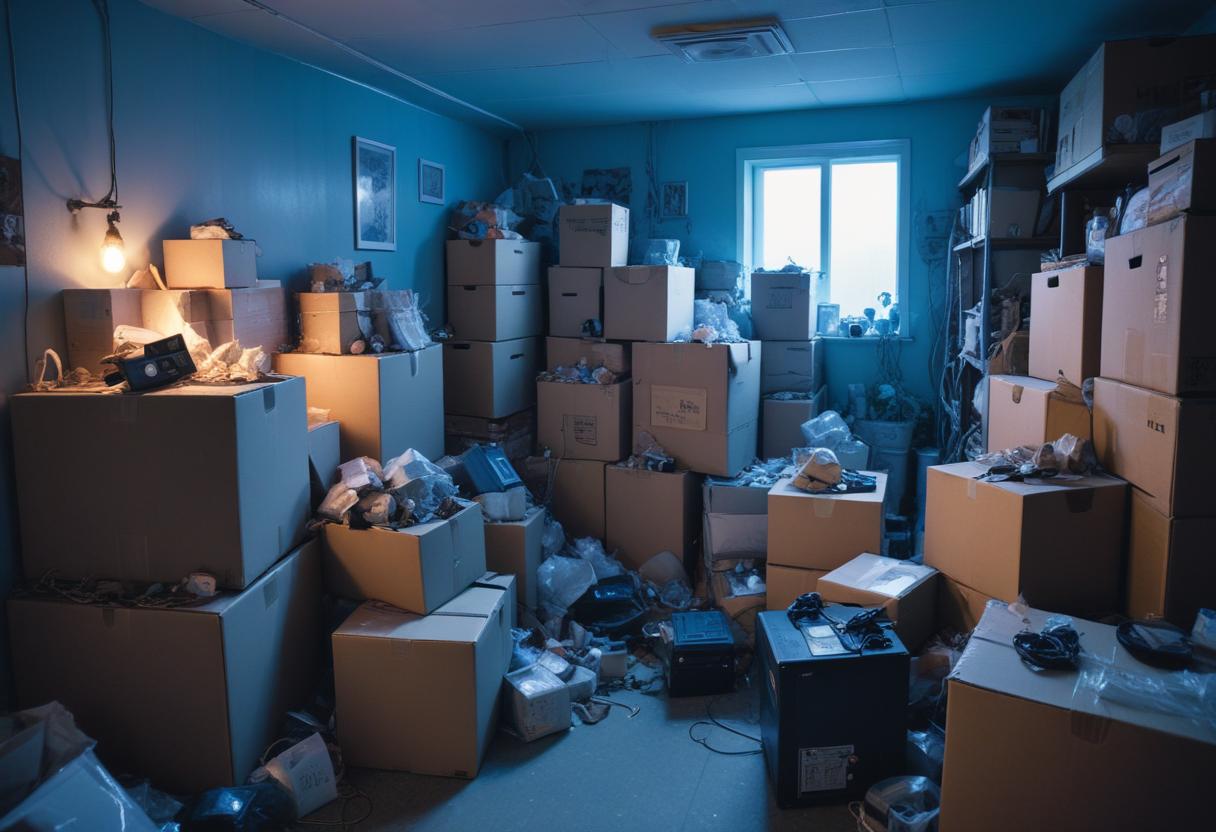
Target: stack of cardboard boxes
1155	403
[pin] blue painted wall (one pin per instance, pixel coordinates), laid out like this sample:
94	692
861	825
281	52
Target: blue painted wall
702	152
206	126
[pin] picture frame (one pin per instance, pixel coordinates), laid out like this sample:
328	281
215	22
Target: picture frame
375	194
432	182
675	200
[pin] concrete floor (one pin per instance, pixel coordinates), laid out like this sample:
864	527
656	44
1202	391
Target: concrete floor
621	774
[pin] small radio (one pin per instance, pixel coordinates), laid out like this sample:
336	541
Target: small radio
161	362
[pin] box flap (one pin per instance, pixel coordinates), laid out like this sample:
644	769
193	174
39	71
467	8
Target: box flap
889	577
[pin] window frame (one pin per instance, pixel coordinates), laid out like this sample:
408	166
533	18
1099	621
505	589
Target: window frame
752	161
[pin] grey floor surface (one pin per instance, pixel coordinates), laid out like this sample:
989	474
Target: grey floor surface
621	774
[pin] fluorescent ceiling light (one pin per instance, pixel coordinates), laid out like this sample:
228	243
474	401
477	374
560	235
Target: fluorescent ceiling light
728	41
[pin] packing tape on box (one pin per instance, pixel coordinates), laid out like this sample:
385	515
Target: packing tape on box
972	486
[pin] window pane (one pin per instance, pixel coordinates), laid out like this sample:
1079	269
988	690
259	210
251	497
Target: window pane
791	217
865	210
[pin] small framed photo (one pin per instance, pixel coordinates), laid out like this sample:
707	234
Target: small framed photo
675	200
430	182
375	167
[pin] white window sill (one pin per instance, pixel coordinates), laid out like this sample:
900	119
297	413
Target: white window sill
863	339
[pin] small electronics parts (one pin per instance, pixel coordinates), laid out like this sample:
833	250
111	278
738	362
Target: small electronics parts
162	362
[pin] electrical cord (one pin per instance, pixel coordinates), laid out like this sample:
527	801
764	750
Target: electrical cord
1055	648
712	722
25	268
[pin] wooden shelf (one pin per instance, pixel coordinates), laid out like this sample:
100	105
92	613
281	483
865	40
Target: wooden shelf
1008	243
1110	166
1004	159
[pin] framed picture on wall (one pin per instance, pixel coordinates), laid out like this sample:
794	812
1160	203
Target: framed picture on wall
375	177
675	200
430	182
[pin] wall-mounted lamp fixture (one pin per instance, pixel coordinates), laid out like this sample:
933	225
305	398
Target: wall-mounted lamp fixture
113	255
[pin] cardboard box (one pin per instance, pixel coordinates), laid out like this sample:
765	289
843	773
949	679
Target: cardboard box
719	275
1057	543
493	262
736	521
416	569
216	677
1002	130
575	295
584	421
823	531
1160	444
1184	179
420	694
906	590
330	322
386	403
1171	573
516	434
1030	411
572	488
495	313
783	420
700	402
256	317
566	352
648	303
324	451
90	317
515	548
650	512
593	236
1156	331
210	264
1199	126
490	379
1066	324
784	306
741	609
958	605
785	583
792	365
1126	90
1083	758
180	480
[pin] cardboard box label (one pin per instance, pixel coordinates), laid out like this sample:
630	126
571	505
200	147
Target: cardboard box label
585	429
598	226
781	297
684	408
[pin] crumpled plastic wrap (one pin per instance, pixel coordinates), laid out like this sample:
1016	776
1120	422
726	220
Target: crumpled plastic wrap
485	221
580	373
827	430
398	320
562	580
662	253
592	551
903	804
819	472
553	540
228	363
712	324
414	477
1068	455
215	229
1181	693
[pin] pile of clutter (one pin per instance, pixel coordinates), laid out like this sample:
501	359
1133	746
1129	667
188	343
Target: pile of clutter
580	373
1068	457
712	324
386	320
407	490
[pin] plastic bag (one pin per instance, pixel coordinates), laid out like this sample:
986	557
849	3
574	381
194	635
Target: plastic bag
414	477
827	430
819	471
592	551
662	253
712	323
338	503
554	538
361	473
926	751
1181	693
485	221
562	581
257	807
903	804
398	319
306	771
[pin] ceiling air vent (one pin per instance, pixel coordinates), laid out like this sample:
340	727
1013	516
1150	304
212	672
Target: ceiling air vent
730	41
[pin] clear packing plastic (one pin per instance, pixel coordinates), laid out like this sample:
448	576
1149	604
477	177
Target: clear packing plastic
1180	693
662	253
592	551
562	581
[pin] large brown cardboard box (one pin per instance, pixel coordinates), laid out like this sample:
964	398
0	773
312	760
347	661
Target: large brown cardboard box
1068	758
216	677
823	531
1156	331
516	434
700	402
418	693
1057	543
648	303
740	608
490	379
575	295
566	352
784	306
324	451
90	317
210	264
782	423
1171	567
1183	180
417	569
180	480
386	403
736	521
1163	445
1030	411
792	365
1066	324
331	322
515	548
906	590
584	421
958	605
256	317
593	236
785	583
495	313
572	488
493	262
650	512
1140	82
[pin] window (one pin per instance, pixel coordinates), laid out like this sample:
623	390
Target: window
840	209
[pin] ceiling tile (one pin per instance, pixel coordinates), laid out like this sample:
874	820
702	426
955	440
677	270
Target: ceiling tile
795	9
375	18
629	31
844	64
860	91
660	73
752	73
855	30
195	8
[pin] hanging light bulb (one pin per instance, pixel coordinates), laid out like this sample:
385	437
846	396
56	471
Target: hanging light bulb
113	254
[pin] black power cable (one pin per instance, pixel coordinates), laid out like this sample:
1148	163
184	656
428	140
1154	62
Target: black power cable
25	267
1055	648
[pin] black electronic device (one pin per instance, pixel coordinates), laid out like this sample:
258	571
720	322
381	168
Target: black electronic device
160	363
612	608
700	659
833	713
489	469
